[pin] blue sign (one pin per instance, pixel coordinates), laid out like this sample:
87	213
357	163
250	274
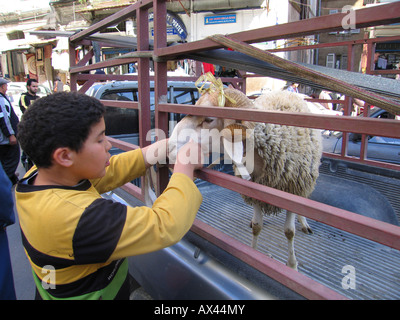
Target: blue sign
226	18
175	22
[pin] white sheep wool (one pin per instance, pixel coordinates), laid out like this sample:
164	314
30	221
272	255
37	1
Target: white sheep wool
291	155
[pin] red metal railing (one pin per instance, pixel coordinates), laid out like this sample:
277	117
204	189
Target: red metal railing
366	227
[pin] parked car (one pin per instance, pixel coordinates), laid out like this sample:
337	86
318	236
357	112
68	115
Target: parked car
15	89
379	148
123	123
178	92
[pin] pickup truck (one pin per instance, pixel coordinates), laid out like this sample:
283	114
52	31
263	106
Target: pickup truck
196	268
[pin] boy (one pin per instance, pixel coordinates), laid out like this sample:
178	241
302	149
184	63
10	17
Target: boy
72	236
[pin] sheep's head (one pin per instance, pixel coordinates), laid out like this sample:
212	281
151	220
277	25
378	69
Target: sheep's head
210	130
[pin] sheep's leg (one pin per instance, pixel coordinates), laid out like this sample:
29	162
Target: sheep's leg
256	224
304	225
290	233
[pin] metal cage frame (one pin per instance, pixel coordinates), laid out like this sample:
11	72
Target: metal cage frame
369	228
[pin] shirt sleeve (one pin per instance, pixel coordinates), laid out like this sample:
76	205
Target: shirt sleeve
23	103
5	123
170	218
123	168
109	231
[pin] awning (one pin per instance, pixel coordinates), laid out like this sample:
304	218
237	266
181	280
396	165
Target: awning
14	45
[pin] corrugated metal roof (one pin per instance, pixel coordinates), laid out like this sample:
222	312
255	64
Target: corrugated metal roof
385	86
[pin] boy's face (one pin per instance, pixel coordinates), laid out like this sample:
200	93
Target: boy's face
91	161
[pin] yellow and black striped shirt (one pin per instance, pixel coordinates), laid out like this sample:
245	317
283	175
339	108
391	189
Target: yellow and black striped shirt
84	238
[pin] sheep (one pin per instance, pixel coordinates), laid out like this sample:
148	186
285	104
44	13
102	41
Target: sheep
285	157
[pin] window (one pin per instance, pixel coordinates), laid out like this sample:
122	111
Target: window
330	60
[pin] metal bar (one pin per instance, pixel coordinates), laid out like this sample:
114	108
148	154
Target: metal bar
144	53
144	102
292	279
134	190
311	75
86	86
110	20
350	57
337	44
364	140
354	223
373	163
370	56
380	127
72	63
131	77
105	77
144	80
102	64
126	146
347	112
393	71
120	104
325	100
367	17
86	58
160	83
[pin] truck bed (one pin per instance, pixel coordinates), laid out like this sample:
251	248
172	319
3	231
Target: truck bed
321	255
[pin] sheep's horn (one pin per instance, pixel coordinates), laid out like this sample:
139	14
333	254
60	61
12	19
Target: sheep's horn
216	85
234	130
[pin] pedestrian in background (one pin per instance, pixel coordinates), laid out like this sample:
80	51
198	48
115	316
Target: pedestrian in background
58	85
294	87
27	98
9	147
32	87
7	217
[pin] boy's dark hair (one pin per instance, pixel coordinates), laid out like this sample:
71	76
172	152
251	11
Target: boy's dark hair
29	82
61	119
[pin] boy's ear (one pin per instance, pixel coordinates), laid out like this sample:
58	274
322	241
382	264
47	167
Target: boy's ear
63	156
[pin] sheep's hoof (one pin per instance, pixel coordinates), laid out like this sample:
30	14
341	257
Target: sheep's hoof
307	230
256	228
292	265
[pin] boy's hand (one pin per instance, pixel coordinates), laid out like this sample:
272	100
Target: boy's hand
189	158
156	153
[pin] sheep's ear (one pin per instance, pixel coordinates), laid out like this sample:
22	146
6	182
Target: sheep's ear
235	132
